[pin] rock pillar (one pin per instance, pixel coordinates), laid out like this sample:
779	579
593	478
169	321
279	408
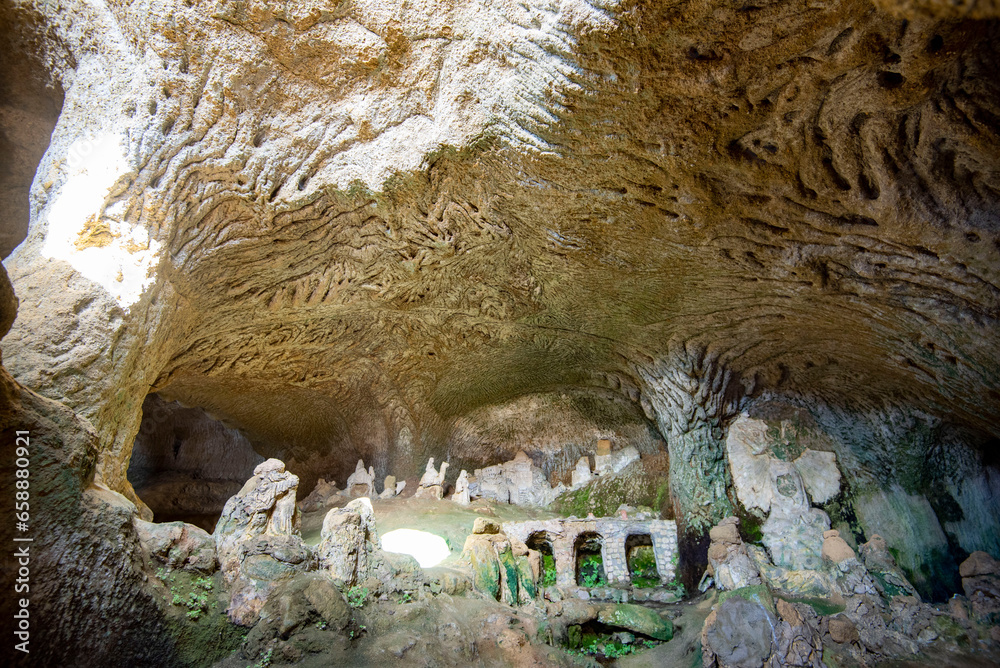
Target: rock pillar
691	397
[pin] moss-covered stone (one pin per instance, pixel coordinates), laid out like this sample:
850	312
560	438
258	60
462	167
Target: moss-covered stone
635	485
637	619
485	569
510	576
526	579
754	593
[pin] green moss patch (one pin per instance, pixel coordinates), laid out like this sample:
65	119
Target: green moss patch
823	607
634	485
196	618
754	593
590	571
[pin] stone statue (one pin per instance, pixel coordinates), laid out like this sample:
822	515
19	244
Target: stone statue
432	482
431	476
461	495
361	482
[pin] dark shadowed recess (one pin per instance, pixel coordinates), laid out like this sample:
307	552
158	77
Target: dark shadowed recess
30	102
186	464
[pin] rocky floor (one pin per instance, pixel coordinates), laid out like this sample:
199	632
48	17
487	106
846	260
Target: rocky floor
443	518
439	617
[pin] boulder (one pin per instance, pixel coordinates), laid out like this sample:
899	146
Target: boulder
485	525
725	533
979	563
637	619
309	599
348	538
177	545
738	634
835	548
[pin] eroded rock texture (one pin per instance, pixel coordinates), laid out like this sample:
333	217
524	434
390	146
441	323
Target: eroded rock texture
347	229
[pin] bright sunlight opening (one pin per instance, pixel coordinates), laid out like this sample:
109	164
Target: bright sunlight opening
428	549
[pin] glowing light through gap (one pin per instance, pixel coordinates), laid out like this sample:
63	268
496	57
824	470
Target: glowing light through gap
428	549
95	240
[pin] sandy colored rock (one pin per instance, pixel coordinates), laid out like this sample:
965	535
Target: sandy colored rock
484	525
836	548
979	563
842	630
725	533
788	612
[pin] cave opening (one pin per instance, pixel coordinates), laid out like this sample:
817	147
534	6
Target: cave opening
186	464
589	560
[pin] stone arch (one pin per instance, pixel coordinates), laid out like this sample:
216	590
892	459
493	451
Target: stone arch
544	543
588	559
640	560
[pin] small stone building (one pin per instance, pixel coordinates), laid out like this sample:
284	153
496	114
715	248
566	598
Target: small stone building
613	534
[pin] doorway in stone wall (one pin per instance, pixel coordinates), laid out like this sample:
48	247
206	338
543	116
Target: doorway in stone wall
589	560
641	560
541	541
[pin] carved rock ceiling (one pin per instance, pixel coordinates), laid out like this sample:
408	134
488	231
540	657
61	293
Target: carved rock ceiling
806	192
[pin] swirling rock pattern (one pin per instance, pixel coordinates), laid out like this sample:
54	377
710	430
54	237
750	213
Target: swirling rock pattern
341	227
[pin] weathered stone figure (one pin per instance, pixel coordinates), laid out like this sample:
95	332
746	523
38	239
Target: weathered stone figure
361	482
461	495
432	482
348	538
257	539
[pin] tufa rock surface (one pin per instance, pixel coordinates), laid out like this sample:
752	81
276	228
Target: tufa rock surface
258	542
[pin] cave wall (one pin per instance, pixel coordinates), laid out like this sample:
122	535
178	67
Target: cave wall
85	564
554	429
924	485
30	101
